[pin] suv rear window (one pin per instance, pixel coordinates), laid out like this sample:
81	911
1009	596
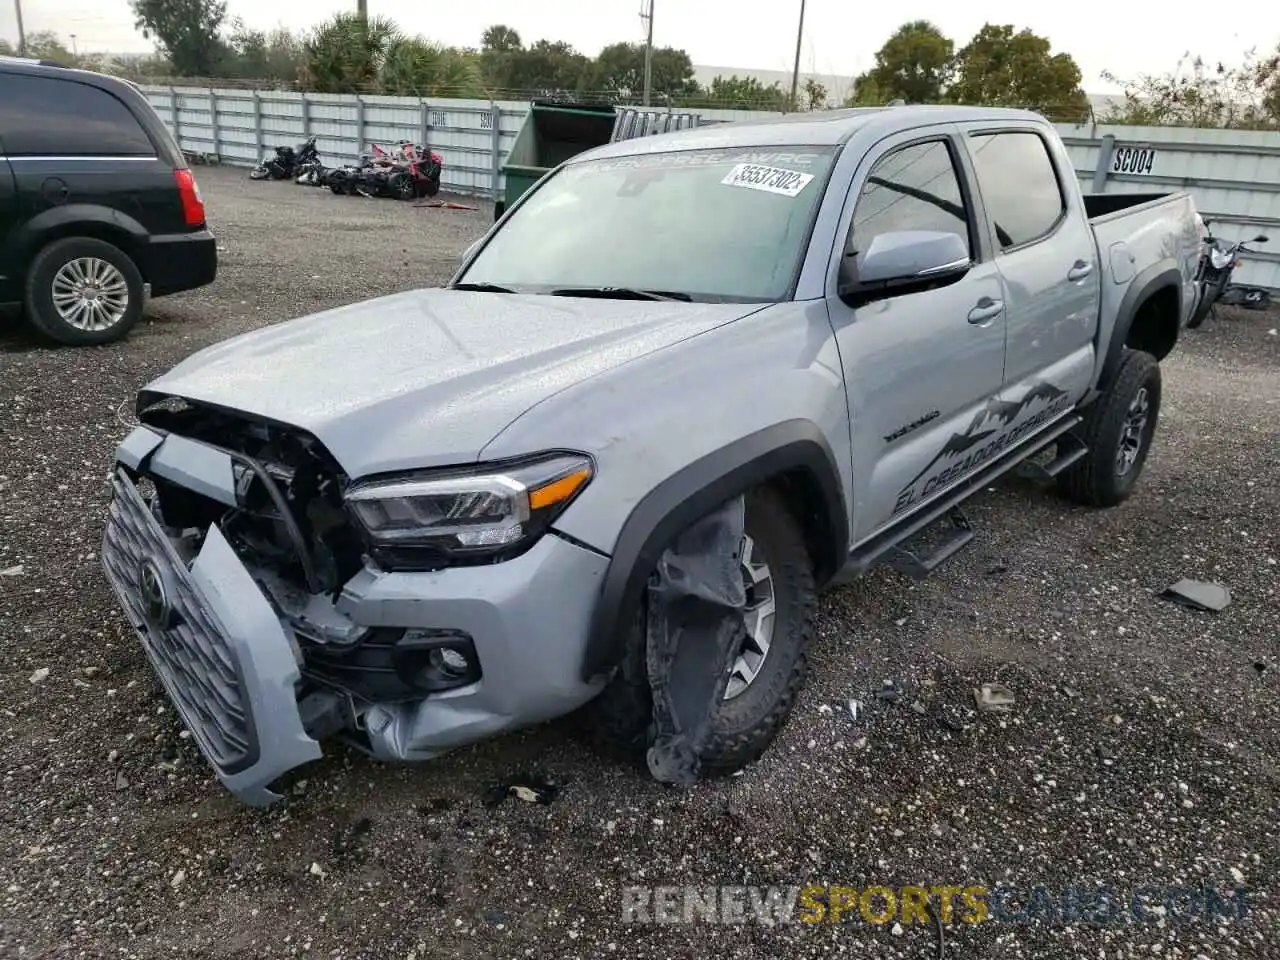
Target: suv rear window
44	117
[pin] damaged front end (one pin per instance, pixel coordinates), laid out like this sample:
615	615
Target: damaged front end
273	624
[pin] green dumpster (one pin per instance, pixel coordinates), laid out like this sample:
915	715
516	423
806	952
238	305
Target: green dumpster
552	133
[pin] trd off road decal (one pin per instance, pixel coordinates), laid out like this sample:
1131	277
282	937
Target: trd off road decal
913	426
993	429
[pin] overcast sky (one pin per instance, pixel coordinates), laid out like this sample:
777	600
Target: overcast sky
840	37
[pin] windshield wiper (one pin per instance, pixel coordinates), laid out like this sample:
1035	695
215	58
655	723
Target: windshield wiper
482	287
621	293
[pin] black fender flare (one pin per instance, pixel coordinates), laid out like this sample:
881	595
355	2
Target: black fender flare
36	232
1163	273
693	492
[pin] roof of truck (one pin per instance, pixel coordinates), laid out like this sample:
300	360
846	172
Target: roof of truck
816	128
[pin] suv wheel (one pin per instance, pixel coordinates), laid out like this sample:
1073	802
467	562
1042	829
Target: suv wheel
1118	430
82	291
768	671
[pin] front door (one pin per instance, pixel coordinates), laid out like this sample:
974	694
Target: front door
921	369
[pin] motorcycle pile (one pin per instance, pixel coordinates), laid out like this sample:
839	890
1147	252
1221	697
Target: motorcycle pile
409	172
1218	262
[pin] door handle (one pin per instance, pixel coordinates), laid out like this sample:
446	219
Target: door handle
986	310
1079	270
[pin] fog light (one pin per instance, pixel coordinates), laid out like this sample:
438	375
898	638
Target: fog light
432	660
449	662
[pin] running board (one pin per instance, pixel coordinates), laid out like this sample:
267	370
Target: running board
878	547
918	567
1070	449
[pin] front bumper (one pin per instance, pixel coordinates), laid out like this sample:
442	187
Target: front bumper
231	662
216	644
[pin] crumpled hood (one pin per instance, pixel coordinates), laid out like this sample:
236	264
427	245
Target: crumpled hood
428	377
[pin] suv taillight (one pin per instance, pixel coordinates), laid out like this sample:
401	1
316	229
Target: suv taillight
192	204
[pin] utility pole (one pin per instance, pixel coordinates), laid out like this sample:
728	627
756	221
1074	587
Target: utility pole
648	52
362	9
22	37
795	72
75	51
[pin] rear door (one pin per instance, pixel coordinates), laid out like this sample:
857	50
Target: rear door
1048	263
75	146
919	367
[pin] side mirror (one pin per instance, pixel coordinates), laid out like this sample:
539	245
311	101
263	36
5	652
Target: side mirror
1260	238
903	261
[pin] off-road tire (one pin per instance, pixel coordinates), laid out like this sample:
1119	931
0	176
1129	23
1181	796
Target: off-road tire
744	726
38	293
1094	479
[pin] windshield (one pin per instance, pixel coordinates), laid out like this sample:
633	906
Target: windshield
701	224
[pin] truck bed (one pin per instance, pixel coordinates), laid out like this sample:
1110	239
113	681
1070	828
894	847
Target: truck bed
1137	233
1099	205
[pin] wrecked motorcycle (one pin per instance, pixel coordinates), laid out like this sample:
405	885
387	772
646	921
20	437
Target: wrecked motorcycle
288	162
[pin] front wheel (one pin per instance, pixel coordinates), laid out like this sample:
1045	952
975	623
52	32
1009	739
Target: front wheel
81	292
768	671
1118	431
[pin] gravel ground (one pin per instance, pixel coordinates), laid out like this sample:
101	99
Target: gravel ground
1142	749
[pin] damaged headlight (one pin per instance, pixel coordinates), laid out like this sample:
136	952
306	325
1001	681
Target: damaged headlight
446	517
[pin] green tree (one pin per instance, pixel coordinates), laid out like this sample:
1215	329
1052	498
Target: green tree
1196	94
1001	67
744	93
547	67
46	45
914	65
500	39
619	70
6	49
544	68
418	68
346	53
815	94
284	54
188	33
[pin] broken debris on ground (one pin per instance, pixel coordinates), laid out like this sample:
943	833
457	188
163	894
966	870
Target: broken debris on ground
1198	595
993	698
532	788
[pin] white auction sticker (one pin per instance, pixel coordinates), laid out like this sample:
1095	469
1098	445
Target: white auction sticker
789	183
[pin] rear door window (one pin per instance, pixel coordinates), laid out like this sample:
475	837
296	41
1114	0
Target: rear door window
1019	186
46	117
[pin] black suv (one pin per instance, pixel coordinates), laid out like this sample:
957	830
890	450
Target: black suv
97	206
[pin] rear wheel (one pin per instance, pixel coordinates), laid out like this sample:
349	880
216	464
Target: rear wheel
401	186
1118	431
81	291
765	675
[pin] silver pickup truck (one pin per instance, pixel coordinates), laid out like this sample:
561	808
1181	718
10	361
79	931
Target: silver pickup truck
684	383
